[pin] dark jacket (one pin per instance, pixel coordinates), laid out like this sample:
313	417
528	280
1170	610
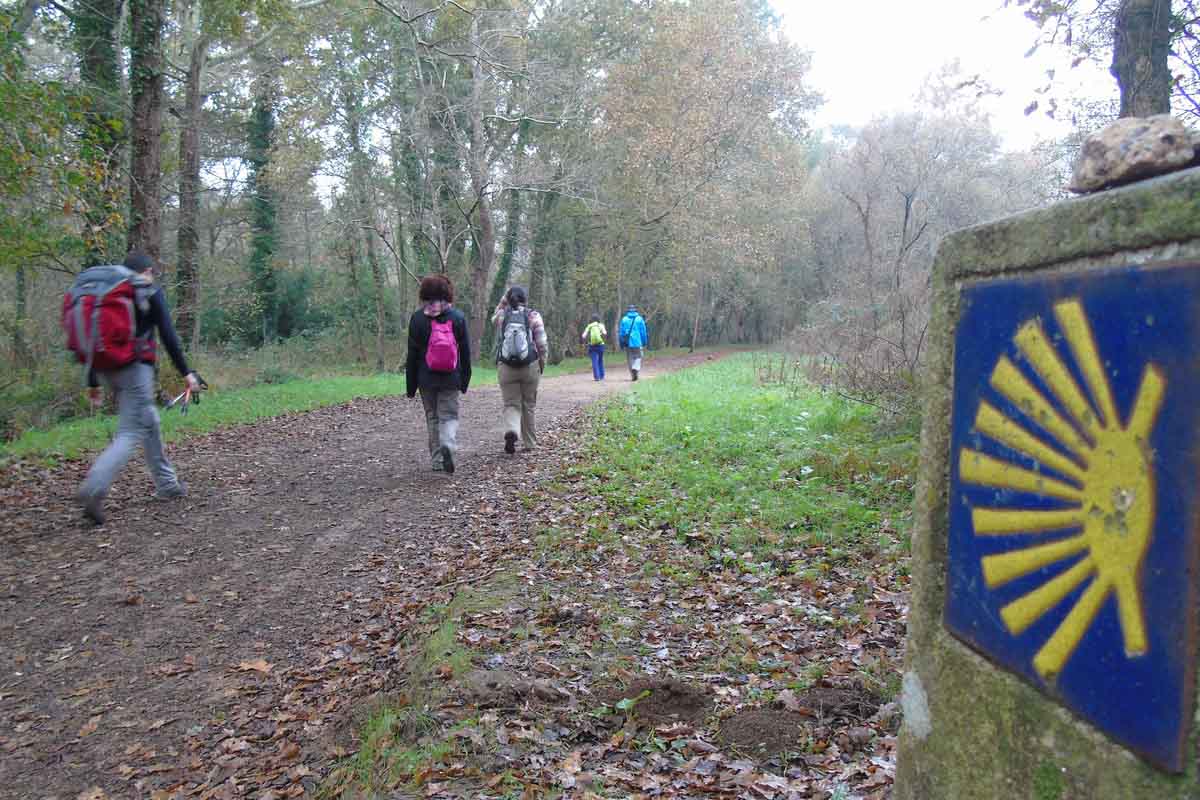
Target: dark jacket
417	374
156	320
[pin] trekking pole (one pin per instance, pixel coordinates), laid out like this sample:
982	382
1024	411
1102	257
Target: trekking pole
186	398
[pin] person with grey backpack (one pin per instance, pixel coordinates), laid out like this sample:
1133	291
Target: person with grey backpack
521	352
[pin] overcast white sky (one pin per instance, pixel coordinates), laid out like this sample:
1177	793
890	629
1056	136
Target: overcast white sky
871	57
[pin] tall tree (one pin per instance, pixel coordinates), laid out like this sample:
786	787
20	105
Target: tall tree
146	90
360	186
195	44
95	24
263	200
1141	42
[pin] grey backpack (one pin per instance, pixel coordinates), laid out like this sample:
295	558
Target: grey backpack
516	346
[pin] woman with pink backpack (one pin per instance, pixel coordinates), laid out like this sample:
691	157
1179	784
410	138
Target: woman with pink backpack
439	365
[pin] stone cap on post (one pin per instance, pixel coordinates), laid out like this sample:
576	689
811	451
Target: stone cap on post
1152	212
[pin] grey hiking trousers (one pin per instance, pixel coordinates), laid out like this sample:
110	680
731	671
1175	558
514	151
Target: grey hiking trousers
634	356
441	418
137	424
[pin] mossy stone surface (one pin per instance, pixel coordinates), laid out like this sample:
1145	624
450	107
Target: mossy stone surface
990	734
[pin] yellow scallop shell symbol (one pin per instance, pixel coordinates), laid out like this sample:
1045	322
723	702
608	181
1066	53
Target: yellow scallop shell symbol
1104	499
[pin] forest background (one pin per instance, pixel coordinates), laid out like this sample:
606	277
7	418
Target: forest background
295	166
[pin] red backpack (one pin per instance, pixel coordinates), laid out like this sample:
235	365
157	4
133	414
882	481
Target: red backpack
99	317
442	353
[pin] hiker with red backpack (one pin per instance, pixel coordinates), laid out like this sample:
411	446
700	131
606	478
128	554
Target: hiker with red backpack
521	352
111	316
439	365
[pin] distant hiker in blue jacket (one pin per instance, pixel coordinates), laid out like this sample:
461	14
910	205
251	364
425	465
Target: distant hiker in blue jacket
633	338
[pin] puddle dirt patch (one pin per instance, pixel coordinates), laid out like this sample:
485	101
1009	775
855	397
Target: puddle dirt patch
828	702
765	732
661	701
493	688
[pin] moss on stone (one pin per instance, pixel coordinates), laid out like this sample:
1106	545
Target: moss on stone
1143	215
1047	782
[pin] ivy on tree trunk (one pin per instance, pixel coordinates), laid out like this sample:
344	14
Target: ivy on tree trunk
103	129
263	243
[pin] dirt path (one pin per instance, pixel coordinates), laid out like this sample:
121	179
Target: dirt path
156	653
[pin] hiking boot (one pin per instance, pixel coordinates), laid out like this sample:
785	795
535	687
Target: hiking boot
447	461
171	492
92	505
510	442
635	372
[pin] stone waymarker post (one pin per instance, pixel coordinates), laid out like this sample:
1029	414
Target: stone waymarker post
1052	635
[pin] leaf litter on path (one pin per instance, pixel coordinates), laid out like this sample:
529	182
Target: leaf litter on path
385	582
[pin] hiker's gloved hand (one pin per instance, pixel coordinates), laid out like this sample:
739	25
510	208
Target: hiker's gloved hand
95	398
193	382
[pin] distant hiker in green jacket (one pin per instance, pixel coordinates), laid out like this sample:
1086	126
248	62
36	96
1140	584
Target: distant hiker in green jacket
593	336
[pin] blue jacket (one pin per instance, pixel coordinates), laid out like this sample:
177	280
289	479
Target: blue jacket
633	330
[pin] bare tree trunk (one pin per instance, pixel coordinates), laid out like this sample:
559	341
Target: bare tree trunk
188	236
28	11
479	183
360	178
696	319
352	260
512	229
1142	39
21	353
146	89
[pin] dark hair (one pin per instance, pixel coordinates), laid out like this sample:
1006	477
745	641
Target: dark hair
139	261
595	317
516	296
436	287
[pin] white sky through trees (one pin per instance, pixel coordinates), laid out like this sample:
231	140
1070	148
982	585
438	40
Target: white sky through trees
871	58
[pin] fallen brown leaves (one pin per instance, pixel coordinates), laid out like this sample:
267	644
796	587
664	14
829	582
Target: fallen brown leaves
571	612
602	676
255	665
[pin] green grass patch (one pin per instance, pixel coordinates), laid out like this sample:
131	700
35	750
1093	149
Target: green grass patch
217	409
733	465
398	742
279	391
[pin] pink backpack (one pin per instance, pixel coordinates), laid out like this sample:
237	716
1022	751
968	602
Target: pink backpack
442	353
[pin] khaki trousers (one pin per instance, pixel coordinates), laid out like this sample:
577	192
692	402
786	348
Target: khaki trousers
519	387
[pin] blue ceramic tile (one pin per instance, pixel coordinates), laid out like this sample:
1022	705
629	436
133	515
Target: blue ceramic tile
1073	504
